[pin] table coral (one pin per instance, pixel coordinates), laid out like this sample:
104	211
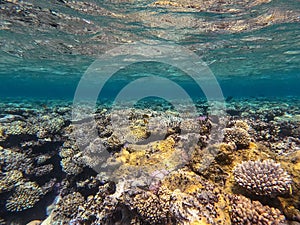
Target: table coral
24	197
9	179
14	160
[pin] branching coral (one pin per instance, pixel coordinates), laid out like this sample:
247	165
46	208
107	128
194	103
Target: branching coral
152	208
184	197
69	153
263	177
238	135
67	207
247	212
13	160
100	208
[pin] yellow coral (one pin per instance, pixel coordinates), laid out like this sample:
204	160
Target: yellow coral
158	155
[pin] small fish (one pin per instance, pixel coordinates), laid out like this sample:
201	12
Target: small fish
291	190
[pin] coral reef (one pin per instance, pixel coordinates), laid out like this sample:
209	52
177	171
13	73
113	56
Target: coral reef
42	126
42	170
159	167
246	212
99	208
183	197
69	162
239	123
263	177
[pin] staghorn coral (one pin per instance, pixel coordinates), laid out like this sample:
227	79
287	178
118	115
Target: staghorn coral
25	196
263	177
246	212
238	135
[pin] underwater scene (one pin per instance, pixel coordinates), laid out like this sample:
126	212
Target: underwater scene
150	112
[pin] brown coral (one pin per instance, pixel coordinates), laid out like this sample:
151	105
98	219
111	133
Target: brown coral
9	179
238	135
150	206
247	212
25	196
67	207
184	197
99	208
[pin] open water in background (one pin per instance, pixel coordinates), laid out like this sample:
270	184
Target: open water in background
253	48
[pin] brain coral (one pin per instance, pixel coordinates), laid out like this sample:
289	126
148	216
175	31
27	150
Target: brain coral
263	177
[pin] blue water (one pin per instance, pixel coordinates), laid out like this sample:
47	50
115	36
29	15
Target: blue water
252	51
273	85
